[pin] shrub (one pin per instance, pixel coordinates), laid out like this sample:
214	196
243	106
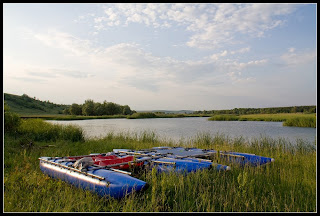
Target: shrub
142	115
11	120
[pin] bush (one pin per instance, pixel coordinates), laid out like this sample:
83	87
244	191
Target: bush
142	115
11	122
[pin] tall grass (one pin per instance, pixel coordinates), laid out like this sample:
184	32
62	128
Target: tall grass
224	118
153	115
301	122
287	185
39	130
290	119
142	115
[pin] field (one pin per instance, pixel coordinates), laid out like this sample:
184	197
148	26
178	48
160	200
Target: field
288	119
287	185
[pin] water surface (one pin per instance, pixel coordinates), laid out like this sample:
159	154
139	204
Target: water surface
185	128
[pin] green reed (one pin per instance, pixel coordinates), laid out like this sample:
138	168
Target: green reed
287	185
39	130
288	119
301	122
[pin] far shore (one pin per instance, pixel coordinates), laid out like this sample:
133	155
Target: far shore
288	119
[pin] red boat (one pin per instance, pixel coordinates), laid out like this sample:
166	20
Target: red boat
105	160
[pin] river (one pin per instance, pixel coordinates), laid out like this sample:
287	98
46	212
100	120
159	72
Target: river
177	129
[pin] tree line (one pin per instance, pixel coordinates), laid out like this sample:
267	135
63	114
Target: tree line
91	108
272	110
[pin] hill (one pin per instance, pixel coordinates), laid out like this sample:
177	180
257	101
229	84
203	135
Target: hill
32	106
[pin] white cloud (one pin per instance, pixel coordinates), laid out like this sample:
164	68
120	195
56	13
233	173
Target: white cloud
129	65
293	58
65	41
242	50
231	19
291	49
213	25
101	66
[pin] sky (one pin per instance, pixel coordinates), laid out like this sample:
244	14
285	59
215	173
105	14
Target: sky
193	56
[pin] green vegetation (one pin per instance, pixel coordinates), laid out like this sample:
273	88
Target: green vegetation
27	105
11	120
142	115
38	130
288	119
154	115
91	108
224	118
287	185
301	122
271	110
70	117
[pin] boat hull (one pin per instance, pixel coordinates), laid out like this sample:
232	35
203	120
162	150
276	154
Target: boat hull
101	181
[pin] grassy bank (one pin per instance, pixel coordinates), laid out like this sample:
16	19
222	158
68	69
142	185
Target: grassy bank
133	116
288	119
287	185
70	117
154	115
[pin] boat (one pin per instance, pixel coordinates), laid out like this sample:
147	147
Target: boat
84	172
108	159
246	159
242	159
107	174
167	161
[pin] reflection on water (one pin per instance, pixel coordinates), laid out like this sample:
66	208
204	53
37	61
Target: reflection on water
185	128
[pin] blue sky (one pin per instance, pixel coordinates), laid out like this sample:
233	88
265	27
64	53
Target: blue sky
162	56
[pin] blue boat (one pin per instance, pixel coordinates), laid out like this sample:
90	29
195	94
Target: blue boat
246	159
242	159
165	161
184	165
105	173
105	182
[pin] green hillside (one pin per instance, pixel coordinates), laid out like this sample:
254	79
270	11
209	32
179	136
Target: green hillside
31	106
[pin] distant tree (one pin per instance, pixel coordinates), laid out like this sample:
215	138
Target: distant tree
99	109
312	110
88	108
75	109
66	111
26	97
113	108
236	111
294	109
126	110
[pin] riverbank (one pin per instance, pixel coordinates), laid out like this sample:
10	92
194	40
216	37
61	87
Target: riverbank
287	185
133	116
288	119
